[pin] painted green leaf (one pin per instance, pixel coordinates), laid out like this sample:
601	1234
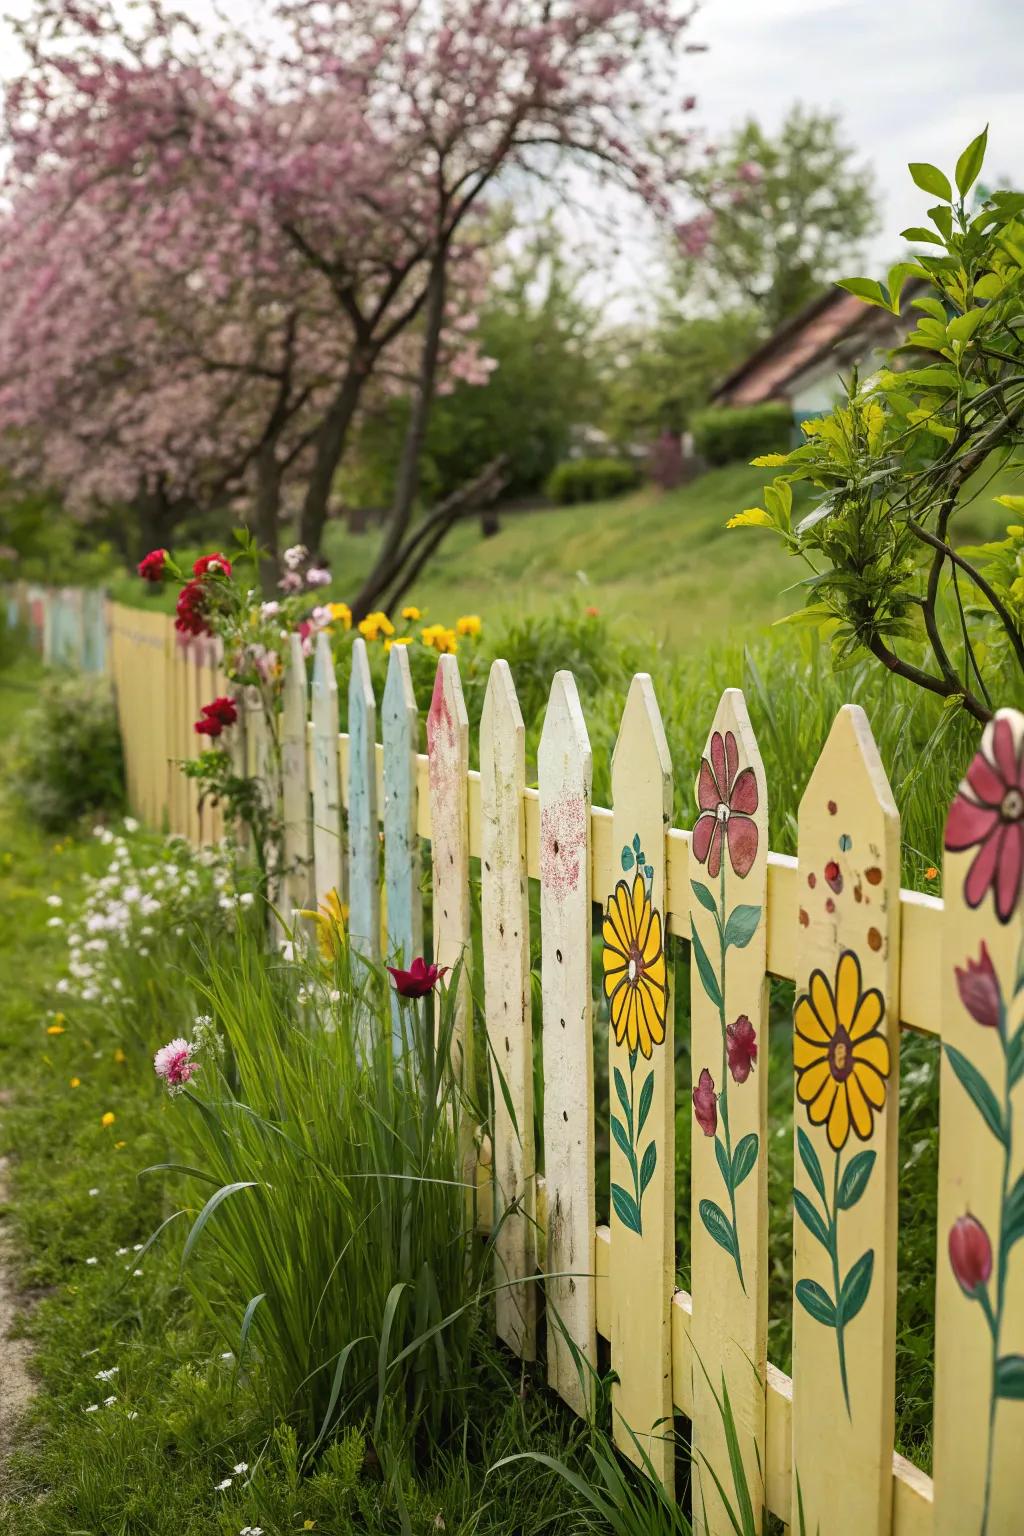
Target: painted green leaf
722	1158
855	1288
742	926
627	858
646	1097
812	1218
855	1179
930	179
704	896
809	1158
718	1225
627	1108
816	1300
709	980
647	1167
1015	1057
970	162
626	1209
619	1132
1010	1377
978	1091
1013	1214
743	1159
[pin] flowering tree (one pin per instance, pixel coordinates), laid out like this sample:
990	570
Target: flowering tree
341	170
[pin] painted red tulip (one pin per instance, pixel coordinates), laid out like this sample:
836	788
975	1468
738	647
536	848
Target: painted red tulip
970	1253
979	989
741	1048
705	1103
418	980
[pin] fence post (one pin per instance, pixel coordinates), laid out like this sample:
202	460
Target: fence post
402	864
328	833
295	780
364	837
979	1313
729	1161
641	1076
565	779
506	948
846	1113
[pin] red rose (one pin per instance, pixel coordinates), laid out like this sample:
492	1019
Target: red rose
705	1103
741	1048
191	618
979	989
418	980
153	567
215	564
970	1253
223	710
208	726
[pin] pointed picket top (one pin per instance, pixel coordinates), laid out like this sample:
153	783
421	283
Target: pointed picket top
448	769
364	839
404	903
729	1162
505	912
979	1312
565	778
846	1113
295	785
328	833
641	1072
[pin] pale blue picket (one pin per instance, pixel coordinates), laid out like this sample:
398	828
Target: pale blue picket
328	838
364	840
400	735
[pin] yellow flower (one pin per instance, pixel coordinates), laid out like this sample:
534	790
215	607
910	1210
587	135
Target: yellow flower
375	625
634	968
76	1082
341	614
469	624
840	1055
330	920
120	1057
398	640
931	873
411	613
55	1029
119	1146
108	1118
441	638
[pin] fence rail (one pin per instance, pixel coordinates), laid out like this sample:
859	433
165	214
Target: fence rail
867	958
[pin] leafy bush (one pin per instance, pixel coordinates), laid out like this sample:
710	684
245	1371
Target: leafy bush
68	759
724	434
590	480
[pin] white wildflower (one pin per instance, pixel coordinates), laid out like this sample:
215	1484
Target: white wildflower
130	824
240	1467
92	1261
93	1408
109	1401
54	901
94	1192
220	1488
107	1375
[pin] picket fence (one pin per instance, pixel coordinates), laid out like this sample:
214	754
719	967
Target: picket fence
868	960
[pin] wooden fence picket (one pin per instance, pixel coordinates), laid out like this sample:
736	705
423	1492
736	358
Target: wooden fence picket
979	1312
364	838
505	918
328	831
400	728
641	1076
298	853
565	779
846	1113
729	1163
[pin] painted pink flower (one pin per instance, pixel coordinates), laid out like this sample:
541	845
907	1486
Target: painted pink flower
727	799
970	1253
741	1048
988	814
979	989
173	1062
705	1103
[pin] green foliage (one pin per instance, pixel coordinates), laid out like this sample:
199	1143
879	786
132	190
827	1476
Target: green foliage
783	214
724	434
41	542
657	376
591	480
68	756
898	462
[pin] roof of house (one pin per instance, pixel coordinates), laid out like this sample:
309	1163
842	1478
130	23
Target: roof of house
807	337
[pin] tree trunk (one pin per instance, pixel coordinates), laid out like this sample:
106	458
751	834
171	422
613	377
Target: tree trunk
268	509
407	479
158	516
328	447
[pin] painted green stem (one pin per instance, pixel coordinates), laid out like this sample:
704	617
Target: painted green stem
995	1322
833	1232
723	1094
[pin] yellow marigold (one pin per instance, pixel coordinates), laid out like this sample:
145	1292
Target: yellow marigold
341	614
411	613
441	638
398	640
375	625
108	1118
469	624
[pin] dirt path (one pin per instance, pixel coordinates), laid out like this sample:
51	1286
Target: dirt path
16	1384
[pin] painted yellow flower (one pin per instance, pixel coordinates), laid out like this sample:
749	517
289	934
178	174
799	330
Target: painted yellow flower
376	625
469	624
839	1052
341	614
412	613
634	968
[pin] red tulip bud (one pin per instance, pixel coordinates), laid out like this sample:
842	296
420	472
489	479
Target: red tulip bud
978	986
970	1253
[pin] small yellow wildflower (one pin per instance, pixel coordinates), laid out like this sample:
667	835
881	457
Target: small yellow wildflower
108	1119
55	1029
120	1057
119	1146
411	613
931	873
375	625
469	624
398	640
439	637
76	1082
341	614
308	1525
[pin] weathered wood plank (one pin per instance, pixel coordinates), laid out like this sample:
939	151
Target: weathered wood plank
364	837
298	852
328	832
402	863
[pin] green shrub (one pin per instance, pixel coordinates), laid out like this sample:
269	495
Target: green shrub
591	480
724	434
68	759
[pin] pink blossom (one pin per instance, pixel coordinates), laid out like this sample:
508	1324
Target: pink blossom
291	581
318	576
173	1062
